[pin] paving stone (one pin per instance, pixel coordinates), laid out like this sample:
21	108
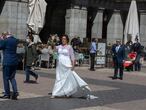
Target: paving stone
127	94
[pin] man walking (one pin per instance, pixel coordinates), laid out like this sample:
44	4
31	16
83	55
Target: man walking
118	58
30	58
10	62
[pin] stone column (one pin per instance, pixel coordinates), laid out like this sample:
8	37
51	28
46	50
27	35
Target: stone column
115	27
13	18
143	27
98	24
76	22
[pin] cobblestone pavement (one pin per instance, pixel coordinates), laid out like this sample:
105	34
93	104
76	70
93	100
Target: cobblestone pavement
127	94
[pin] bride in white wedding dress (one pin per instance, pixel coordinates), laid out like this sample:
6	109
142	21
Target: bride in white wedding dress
67	82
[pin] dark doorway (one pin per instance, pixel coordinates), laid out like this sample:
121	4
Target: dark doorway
107	14
54	22
90	18
2	2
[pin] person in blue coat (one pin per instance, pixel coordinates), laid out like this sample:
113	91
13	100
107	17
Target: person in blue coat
119	57
10	62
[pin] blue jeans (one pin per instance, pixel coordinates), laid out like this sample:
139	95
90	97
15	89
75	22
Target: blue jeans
9	75
28	72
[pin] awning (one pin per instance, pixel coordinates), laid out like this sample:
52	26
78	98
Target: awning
132	24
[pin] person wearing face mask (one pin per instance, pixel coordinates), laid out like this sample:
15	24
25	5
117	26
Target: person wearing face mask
119	57
29	59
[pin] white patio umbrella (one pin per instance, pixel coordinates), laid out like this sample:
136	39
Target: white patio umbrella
35	22
132	23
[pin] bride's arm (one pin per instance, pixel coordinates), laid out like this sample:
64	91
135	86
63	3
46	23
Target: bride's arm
72	56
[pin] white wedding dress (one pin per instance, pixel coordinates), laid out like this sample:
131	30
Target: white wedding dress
68	83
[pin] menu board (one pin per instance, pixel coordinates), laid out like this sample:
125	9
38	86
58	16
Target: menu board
101	49
100	60
101	53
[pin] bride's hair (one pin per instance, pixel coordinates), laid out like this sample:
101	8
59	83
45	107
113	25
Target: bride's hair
66	36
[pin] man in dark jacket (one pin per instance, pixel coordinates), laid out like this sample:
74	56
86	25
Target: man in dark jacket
118	58
30	58
136	47
10	62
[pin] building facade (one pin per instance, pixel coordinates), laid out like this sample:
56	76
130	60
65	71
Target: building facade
103	19
13	17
